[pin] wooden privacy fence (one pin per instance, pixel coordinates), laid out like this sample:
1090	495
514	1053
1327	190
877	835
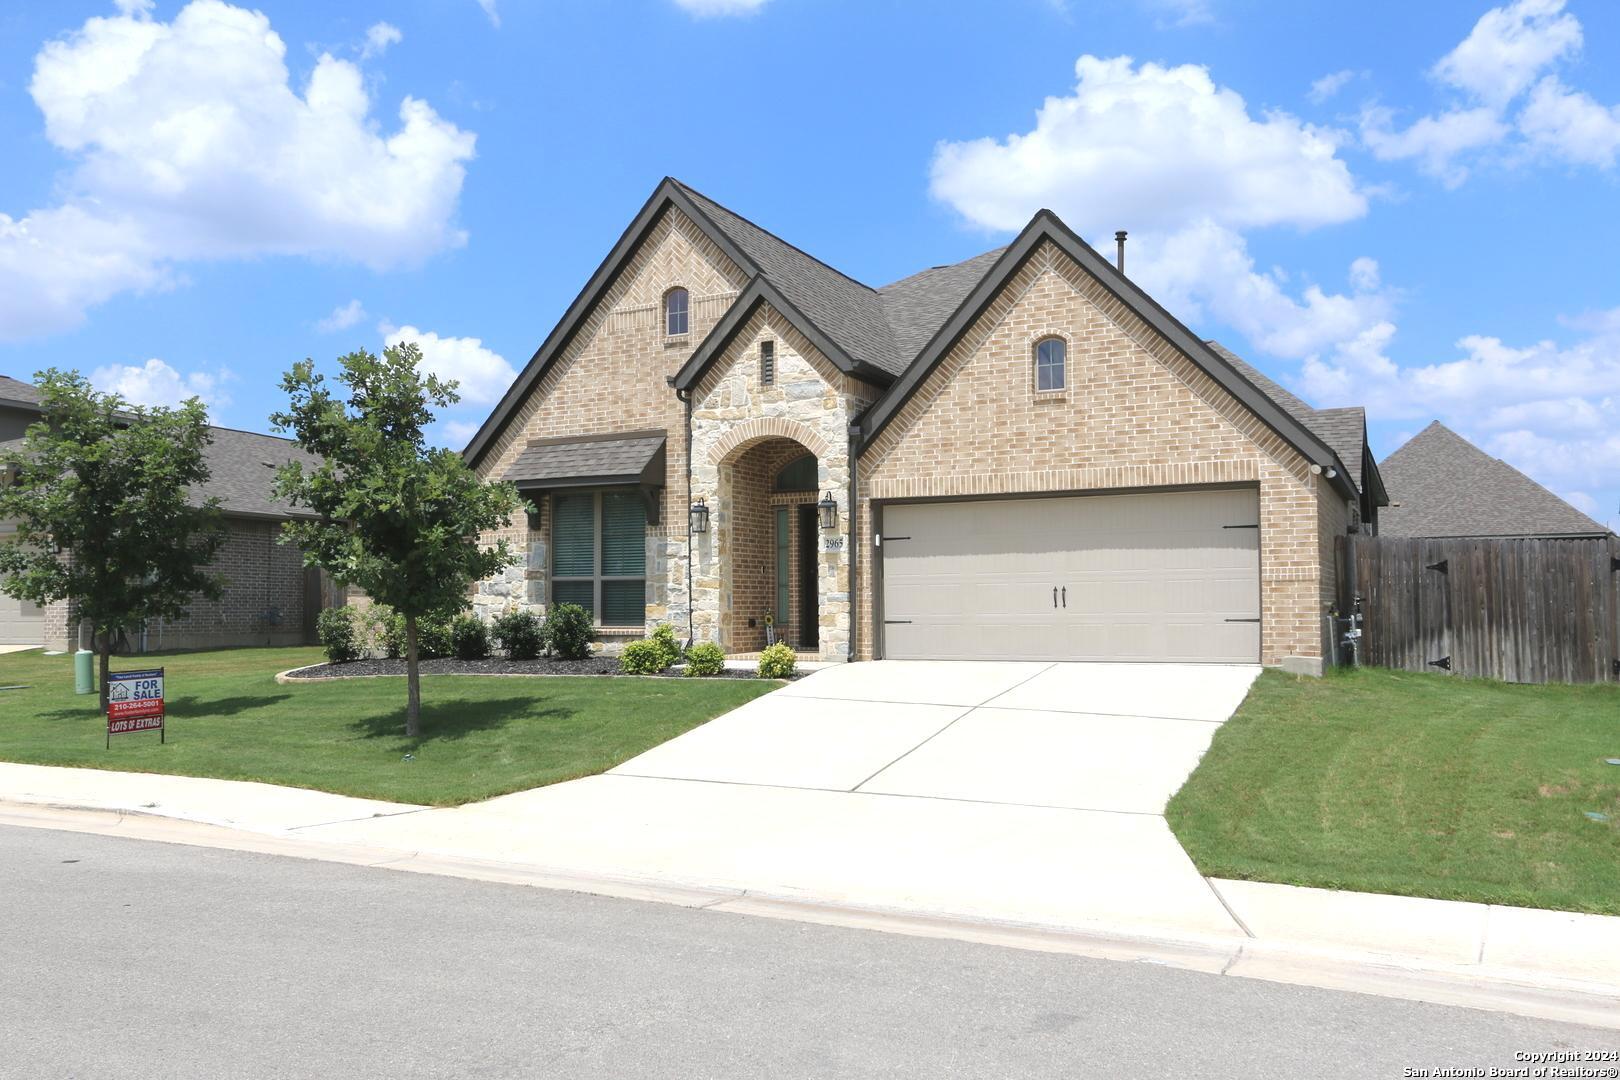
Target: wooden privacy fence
1527	611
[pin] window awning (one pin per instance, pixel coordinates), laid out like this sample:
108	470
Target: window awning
588	461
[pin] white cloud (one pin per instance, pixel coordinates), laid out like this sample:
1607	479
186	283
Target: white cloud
1508	47
1180	162
1182	12
711	8
1509	51
190	143
343	316
378	38
1150	148
1570	126
459	433
156	383
1551	410
491	12
483	374
1329	85
1206	271
1437	142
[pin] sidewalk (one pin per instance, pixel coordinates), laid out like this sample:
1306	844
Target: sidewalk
891	870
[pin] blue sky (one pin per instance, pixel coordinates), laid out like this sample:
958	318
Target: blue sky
1411	207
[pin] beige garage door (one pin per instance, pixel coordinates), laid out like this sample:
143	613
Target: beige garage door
1156	577
21	623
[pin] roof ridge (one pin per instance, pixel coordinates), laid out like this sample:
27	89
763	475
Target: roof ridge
690	190
897	282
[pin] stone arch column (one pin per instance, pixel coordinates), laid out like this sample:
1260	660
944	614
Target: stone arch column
721	457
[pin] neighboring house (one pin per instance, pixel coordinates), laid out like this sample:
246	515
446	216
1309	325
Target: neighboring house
269	598
1020	456
1442	485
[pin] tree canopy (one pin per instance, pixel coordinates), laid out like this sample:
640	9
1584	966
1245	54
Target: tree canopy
104	499
398	518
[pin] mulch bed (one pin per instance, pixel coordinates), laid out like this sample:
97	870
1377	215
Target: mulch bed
596	665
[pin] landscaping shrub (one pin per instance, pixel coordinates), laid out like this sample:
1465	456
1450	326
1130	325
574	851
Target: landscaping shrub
387	630
776	661
469	638
339	634
568	631
705	658
433	636
644	658
519	633
664	638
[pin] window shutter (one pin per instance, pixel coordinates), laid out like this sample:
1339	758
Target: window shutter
624	535
573	535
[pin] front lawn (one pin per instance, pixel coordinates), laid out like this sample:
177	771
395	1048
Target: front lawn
481	735
1427	785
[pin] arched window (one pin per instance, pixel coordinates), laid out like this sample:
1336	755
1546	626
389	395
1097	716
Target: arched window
675	312
798	474
1051	364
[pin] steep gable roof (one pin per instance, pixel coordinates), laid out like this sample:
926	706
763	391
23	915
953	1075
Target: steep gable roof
894	336
845	310
1344	429
1047	227
1443	485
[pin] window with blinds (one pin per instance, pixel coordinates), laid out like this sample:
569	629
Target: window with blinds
599	555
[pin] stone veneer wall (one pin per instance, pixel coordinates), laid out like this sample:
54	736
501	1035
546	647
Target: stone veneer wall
1136	414
810	403
612	378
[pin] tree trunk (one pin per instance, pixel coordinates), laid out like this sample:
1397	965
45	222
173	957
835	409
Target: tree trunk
104	648
413	684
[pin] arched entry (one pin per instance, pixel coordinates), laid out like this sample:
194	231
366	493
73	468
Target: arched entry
767	543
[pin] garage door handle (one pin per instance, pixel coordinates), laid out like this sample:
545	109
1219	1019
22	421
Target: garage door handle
1054	596
1065	596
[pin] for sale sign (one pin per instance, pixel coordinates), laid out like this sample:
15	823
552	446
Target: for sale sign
135	702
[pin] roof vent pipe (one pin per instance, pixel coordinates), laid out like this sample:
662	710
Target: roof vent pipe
1119	261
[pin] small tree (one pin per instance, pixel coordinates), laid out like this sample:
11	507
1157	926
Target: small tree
101	493
394	516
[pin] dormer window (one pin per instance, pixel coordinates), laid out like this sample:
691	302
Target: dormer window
1051	364
676	313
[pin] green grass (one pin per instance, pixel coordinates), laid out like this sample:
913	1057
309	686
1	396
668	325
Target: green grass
481	735
1425	785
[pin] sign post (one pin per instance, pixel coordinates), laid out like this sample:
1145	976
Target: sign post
135	703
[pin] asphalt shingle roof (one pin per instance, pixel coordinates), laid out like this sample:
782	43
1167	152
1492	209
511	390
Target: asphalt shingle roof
586	461
1345	430
919	305
242	464
848	312
1440	484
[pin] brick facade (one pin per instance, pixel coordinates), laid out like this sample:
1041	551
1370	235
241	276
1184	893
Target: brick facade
1136	414
265	601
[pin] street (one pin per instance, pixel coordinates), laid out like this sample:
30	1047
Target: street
125	958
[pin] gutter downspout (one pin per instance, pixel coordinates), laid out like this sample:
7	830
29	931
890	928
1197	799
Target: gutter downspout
854	541
691	547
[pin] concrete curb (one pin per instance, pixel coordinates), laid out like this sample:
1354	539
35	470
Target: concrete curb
1492	987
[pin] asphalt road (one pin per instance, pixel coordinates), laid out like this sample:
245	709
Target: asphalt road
124	958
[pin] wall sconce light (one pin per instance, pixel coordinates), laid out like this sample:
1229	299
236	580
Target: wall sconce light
699	516
829	512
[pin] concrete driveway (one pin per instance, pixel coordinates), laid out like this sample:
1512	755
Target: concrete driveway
1024	793
1115	738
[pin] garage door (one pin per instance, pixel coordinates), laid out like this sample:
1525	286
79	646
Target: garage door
1153	577
21	623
